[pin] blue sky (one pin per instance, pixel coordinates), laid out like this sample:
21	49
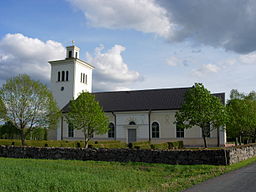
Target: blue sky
134	44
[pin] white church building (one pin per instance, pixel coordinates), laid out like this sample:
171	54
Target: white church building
142	115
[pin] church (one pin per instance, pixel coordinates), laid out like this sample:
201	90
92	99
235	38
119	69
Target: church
140	115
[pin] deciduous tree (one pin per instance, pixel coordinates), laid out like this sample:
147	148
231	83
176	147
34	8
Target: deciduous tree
200	108
27	104
86	114
242	115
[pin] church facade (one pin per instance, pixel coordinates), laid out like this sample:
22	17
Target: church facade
142	115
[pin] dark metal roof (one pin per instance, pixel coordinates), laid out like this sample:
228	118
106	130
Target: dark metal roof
142	100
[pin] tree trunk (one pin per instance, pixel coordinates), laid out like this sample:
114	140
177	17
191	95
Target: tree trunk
23	137
236	142
86	143
86	140
205	145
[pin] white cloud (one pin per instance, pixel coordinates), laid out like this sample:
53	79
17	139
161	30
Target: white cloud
142	15
20	54
111	71
205	69
173	61
248	58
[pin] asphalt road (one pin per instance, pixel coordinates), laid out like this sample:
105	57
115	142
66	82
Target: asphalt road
241	180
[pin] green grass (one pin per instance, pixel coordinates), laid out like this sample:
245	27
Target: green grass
64	175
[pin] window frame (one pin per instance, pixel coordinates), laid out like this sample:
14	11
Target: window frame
180	132
111	131
70	130
155	131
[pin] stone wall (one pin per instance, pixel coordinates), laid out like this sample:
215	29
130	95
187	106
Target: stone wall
183	157
240	153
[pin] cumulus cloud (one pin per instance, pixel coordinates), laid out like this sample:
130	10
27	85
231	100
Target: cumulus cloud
141	15
205	69
20	54
229	24
111	72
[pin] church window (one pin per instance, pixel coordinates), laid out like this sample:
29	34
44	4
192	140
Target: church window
81	79
59	76
179	130
63	76
111	131
206	130
132	123
85	79
155	130
66	75
69	54
70	130
76	54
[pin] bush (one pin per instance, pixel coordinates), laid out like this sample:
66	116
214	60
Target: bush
175	145
78	145
130	145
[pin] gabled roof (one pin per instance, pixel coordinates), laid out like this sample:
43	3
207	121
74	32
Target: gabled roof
143	100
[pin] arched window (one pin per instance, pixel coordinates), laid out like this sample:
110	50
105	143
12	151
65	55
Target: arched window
58	75
81	79
66	75
76	54
111	131
63	76
155	130
132	123
179	130
70	130
85	79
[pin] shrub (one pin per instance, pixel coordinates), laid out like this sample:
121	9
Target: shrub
130	145
78	145
175	145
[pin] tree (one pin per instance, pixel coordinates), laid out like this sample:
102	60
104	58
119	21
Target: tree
202	109
27	104
8	131
242	115
86	114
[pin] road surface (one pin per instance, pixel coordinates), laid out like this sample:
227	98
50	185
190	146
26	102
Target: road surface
241	180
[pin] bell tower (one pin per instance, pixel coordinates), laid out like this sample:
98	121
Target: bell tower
69	77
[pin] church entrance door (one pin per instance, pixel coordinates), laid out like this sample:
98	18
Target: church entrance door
131	135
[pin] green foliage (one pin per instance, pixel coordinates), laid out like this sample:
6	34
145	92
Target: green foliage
201	108
9	131
242	115
28	104
86	114
2	109
175	145
87	176
55	143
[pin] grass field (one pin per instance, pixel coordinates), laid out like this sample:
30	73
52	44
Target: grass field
64	175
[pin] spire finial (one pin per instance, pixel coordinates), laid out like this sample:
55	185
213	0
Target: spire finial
73	42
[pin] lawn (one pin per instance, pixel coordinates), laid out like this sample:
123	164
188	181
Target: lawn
66	175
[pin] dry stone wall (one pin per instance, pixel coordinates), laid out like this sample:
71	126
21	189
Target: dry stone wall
183	157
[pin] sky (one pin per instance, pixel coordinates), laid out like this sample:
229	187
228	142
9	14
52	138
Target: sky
134	44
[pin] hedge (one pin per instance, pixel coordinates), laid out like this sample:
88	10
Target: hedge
96	144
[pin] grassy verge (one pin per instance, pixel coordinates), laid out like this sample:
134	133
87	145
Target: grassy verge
63	175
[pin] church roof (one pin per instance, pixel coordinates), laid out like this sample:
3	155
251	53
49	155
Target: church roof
143	100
